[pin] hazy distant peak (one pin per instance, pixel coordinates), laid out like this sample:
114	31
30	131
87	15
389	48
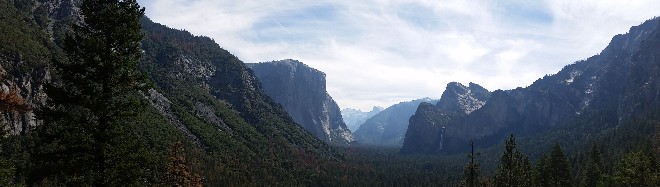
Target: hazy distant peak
377	109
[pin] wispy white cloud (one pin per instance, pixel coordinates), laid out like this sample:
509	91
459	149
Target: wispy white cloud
381	52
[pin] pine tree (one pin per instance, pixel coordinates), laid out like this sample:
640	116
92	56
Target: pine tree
637	169
542	178
593	171
514	168
471	172
558	171
86	137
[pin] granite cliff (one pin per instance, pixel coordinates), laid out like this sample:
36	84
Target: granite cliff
426	131
301	91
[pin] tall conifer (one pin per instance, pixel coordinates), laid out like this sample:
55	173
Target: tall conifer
558	169
85	139
514	168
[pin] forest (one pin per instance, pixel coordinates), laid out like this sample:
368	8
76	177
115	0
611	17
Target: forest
115	89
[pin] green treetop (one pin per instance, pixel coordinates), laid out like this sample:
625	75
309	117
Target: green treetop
514	168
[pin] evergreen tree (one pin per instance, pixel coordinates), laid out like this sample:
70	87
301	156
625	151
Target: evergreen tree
86	138
637	169
542	178
514	168
593	170
471	172
557	170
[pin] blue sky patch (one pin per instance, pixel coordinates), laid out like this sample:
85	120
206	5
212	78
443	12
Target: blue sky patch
420	16
294	25
524	12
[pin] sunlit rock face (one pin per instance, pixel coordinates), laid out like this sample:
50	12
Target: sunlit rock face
301	90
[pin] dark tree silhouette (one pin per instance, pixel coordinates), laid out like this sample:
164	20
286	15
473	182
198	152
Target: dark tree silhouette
514	168
84	138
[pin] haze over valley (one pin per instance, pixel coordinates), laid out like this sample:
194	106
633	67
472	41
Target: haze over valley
289	93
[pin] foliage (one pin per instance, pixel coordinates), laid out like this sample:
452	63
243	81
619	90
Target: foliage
593	172
21	41
637	168
471	172
87	137
242	132
12	101
554	169
385	166
514	168
178	172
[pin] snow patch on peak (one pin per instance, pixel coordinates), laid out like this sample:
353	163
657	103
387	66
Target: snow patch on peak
469	103
463	99
572	76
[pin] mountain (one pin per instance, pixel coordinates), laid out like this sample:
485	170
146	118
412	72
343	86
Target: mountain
201	95
582	101
388	127
355	117
426	129
301	90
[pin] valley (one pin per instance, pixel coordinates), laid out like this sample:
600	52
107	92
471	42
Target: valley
96	93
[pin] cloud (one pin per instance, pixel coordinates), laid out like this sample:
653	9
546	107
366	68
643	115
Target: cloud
381	52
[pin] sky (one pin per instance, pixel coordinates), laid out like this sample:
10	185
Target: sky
382	52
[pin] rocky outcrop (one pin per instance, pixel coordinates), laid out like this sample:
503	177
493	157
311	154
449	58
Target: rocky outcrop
355	117
426	132
23	58
30	89
217	97
301	90
388	127
616	85
461	99
163	106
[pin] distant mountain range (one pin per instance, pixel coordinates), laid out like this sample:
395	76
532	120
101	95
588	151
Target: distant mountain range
388	127
580	102
355	117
